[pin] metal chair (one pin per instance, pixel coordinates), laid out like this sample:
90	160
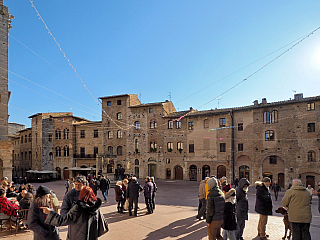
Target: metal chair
22	216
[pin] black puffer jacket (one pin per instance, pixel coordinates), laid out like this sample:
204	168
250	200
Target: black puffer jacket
263	199
85	217
229	217
242	200
215	205
133	189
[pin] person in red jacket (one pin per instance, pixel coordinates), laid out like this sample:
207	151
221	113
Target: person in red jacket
7	209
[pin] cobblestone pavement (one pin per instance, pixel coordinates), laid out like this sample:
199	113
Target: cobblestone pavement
174	216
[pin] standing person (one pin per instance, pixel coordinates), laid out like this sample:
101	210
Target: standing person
310	190
153	193
124	190
202	199
94	186
223	182
276	188
263	205
67	184
104	187
215	210
229	225
318	194
71	186
236	182
119	196
297	200
148	190
242	206
84	218
133	190
36	217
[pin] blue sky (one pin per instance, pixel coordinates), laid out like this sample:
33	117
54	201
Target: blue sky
155	48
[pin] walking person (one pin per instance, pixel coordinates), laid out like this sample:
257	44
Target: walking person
104	187
202	200
297	200
215	210
85	216
119	196
148	190
242	206
276	188
36	217
229	225
133	190
263	206
153	193
310	190
236	182
94	186
318	194
67	184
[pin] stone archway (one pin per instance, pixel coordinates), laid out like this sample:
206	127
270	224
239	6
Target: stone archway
244	167
193	173
221	171
272	166
205	171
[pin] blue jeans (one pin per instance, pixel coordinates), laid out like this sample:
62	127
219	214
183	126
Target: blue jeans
105	194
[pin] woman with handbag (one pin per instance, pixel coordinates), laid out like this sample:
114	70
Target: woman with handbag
89	223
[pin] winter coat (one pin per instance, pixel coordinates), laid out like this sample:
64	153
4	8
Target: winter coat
94	187
148	189
118	193
318	193
25	203
84	216
229	215
133	189
242	200
69	200
202	189
215	205
104	184
297	200
36	223
263	199
276	187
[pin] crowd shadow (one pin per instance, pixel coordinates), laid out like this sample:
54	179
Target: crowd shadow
191	227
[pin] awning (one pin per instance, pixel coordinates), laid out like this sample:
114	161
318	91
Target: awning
81	169
41	172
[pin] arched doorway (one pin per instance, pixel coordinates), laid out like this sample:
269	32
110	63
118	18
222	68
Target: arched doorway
268	174
65	173
205	171
168	173
221	171
59	172
193	173
281	179
244	172
109	168
310	181
178	173
152	170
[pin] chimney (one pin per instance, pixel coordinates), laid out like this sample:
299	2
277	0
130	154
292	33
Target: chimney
255	103
264	101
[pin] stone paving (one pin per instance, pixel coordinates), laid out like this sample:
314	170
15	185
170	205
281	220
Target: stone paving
174	216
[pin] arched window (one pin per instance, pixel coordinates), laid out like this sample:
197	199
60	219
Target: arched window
153	124
110	150
66	151
22	139
30	137
206	123
266	117
311	156
137	125
153	146
119	134
58	152
136	162
110	134
119	115
50	156
66	133
270	117
274	116
58	133
119	150
136	145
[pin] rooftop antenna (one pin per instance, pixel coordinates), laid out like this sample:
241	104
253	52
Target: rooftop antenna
294	91
140	96
219	101
169	96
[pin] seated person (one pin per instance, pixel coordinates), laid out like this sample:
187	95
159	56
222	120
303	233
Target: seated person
21	195
7	209
11	192
22	187
26	200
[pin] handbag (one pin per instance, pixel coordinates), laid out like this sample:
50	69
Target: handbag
126	205
102	225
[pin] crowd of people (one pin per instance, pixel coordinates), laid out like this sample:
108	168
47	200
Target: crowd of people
225	207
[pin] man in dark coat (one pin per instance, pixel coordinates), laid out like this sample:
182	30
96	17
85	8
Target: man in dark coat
242	206
104	187
133	190
276	188
318	193
148	190
263	205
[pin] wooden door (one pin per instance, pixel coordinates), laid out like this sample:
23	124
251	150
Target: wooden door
281	179
178	173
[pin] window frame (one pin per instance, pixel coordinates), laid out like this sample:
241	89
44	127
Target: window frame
311	106
311	127
170	124
119	116
222	122
95	133
240	127
223	147
190	126
191	148
269	135
82	133
137	125
311	156
240	147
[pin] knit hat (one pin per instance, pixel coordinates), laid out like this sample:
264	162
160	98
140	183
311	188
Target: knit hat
227	187
212	182
42	190
266	179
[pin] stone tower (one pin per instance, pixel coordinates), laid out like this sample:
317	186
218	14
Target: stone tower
5	20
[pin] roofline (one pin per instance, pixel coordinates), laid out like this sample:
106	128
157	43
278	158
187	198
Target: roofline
116	96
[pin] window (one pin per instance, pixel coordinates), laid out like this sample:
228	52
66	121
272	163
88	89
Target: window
311	156
178	124
273	159
170	146
66	151
109	103
266	117
95	133
240	126
222	147
82	152
137	125
274	116
270	117
50	138
222	122
180	146
167	160
190	125
25	138
311	106
153	146
119	115
136	145
119	134
110	134
206	123
170	124
118	102
95	151
110	150
150	110
66	133
58	134
311	127
58	151
22	139
191	148
240	147
269	135
153	124
119	150
136	162
82	134
30	138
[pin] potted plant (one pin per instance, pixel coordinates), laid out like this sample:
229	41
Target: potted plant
180	150
170	150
